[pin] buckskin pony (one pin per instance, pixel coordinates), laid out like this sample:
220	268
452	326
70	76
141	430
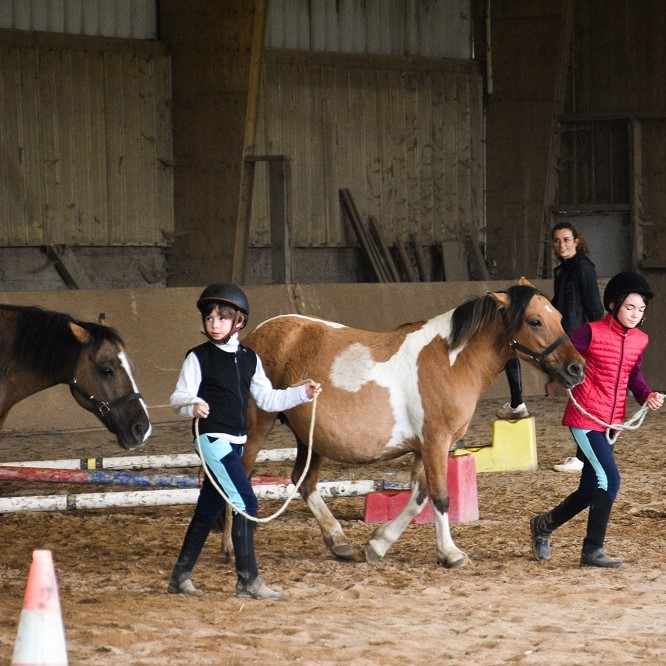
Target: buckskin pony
40	348
410	390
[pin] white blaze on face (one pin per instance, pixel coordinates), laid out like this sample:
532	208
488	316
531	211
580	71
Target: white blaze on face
355	367
124	362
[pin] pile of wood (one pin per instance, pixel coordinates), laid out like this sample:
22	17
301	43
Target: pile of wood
455	260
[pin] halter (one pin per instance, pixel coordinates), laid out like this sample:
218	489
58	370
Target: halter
539	357
103	408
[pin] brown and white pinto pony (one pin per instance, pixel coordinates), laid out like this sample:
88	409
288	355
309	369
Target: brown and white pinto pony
410	390
40	348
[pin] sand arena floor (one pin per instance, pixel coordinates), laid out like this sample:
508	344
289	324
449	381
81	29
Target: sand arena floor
503	607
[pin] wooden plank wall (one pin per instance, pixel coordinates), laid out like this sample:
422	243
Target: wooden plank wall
86	146
405	135
617	79
620	51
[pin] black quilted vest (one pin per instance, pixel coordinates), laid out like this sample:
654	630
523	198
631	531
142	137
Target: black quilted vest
225	386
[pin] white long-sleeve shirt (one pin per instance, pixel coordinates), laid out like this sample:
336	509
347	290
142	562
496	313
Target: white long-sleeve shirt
267	398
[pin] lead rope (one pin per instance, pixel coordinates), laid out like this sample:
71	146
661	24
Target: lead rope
211	478
634	423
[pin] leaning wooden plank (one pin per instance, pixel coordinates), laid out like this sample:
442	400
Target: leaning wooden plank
362	234
454	259
387	258
421	262
403	253
68	267
478	267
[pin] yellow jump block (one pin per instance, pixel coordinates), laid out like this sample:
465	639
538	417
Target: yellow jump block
513	448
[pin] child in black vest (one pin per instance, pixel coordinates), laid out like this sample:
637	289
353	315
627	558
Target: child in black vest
215	383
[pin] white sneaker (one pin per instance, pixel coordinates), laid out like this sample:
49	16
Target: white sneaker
569	465
509	413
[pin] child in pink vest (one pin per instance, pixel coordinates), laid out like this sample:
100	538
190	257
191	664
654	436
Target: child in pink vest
613	349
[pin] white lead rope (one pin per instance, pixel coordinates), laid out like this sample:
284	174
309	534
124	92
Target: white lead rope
634	423
292	494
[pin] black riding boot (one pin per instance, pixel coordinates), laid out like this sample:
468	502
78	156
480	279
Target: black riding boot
193	543
542	526
249	585
514	378
515	408
593	554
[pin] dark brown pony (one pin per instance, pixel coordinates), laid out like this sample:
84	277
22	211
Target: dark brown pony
40	348
410	390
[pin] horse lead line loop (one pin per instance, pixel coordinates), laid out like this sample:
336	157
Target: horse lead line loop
634	423
291	495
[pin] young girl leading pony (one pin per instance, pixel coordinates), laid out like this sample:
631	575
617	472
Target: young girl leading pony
613	348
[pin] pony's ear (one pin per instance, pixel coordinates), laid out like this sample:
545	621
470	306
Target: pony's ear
101	319
500	297
525	282
80	333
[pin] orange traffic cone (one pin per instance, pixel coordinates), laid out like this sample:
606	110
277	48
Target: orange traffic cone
40	639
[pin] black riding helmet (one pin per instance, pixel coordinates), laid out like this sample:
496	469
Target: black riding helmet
229	294
621	285
226	294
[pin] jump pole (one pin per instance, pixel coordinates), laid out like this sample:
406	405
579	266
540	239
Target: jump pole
172	497
98	477
144	462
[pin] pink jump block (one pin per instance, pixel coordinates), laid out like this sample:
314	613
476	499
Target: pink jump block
463	498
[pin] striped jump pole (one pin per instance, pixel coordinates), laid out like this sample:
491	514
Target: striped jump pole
98	477
172	497
113	478
145	462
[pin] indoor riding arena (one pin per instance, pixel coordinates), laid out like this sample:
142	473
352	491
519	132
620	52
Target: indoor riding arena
113	564
371	163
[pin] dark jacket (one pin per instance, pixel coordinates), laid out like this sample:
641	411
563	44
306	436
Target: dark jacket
577	292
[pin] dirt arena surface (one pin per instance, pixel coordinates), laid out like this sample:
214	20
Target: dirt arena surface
503	607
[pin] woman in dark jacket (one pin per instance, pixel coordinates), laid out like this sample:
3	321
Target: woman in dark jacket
576	297
576	287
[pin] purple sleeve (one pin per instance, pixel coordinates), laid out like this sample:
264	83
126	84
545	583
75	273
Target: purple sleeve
581	338
637	384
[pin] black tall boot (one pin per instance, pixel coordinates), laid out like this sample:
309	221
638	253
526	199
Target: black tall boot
249	585
542	525
193	543
593	554
515	408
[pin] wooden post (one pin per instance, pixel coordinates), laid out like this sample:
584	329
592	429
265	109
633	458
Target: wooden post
278	206
559	96
247	167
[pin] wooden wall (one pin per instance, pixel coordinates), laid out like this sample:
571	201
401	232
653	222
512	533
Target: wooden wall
576	124
405	135
85	128
215	45
619	76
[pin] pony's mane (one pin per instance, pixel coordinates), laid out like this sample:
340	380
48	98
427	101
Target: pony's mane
45	343
477	313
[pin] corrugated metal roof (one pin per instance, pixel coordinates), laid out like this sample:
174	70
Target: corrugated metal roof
135	19
430	28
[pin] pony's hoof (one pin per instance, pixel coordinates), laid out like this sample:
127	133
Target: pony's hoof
344	551
371	555
455	564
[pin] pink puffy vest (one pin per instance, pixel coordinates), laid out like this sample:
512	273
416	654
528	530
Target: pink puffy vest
611	356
